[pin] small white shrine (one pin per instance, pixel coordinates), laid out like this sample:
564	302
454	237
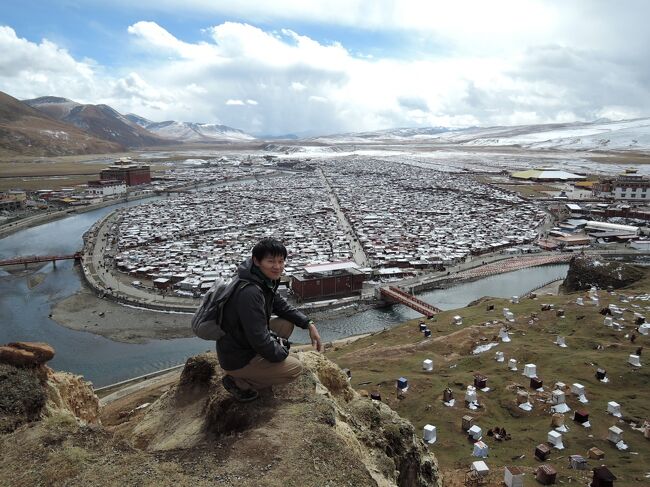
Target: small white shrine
530	370
499	357
634	360
430	434
471	398
615	435
614	409
512	364
558	399
503	335
513	477
480	450
481	468
555	439
580	302
579	390
427	365
475	432
559	341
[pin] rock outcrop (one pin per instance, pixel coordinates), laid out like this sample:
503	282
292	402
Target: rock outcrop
585	272
29	390
26	353
316	431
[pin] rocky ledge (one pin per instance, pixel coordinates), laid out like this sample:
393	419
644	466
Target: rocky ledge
585	272
316	431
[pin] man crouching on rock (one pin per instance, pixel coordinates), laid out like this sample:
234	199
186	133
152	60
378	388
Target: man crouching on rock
254	352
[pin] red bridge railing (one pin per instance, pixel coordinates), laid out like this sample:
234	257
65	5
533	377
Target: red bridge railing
30	259
396	294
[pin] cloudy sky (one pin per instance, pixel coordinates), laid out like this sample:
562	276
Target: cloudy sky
294	66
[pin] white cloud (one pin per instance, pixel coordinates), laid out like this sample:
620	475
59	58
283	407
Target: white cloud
467	63
28	69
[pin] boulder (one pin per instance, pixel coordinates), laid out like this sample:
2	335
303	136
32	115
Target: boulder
42	351
26	354
16	357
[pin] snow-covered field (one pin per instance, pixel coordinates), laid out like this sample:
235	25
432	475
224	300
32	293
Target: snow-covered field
601	135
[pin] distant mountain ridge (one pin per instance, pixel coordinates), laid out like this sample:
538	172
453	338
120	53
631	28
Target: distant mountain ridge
602	134
190	131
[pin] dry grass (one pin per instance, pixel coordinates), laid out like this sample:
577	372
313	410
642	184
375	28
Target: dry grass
377	361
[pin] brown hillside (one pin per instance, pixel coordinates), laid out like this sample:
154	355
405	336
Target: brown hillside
101	121
378	360
24	130
317	431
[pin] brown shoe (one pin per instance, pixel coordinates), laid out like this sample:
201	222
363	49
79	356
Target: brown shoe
240	395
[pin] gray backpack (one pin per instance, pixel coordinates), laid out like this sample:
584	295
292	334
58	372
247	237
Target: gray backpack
207	319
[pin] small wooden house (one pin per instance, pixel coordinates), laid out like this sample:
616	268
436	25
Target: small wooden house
542	452
602	477
595	453
480	381
536	383
467	423
447	395
577	462
546	474
581	416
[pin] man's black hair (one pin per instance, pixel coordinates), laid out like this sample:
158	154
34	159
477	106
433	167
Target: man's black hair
269	246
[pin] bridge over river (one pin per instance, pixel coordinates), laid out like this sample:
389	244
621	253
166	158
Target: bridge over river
31	259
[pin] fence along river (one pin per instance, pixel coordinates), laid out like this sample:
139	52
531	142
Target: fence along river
24	311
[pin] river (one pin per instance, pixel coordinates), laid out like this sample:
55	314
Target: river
24	311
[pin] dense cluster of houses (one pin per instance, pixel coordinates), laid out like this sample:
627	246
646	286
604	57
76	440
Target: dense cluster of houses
191	239
412	219
420	216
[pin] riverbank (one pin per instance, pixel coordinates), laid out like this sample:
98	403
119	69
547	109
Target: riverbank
40	219
84	311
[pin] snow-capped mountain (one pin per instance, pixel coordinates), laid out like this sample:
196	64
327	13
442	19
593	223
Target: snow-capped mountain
190	131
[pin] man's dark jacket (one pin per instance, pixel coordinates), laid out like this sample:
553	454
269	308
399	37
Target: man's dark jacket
246	318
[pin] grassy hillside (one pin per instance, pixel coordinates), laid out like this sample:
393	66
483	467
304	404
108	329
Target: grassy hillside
378	360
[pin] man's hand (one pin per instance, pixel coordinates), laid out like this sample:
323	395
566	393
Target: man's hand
315	337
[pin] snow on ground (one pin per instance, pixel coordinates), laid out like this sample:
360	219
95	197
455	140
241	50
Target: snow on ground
600	135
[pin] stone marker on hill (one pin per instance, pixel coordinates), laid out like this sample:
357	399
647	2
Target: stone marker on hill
513	476
614	409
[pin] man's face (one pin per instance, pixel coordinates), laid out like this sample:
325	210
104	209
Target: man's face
271	266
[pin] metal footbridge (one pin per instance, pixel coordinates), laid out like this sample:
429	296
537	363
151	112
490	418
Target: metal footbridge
395	294
30	259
